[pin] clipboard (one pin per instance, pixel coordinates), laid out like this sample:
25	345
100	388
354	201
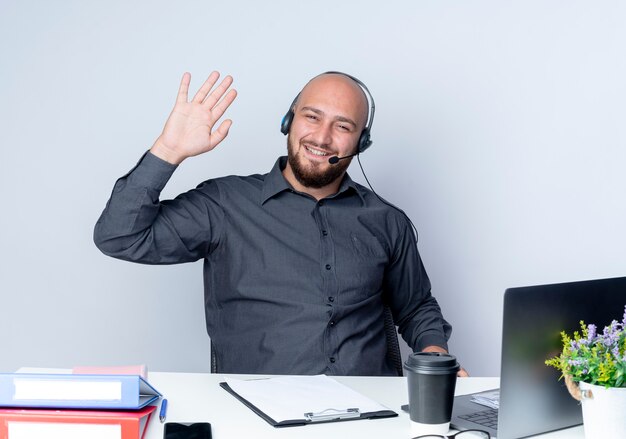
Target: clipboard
303	400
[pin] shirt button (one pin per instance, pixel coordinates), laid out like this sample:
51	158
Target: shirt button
325	232
331	299
321	203
328	267
332	359
332	323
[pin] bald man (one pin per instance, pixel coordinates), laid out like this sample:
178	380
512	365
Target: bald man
298	262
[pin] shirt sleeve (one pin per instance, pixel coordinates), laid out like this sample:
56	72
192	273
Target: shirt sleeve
135	226
407	293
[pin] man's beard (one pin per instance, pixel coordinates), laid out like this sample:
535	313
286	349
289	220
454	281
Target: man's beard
312	176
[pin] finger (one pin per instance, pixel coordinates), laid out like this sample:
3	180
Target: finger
219	91
219	110
183	89
220	133
206	87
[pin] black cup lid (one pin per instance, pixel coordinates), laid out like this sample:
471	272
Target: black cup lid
432	363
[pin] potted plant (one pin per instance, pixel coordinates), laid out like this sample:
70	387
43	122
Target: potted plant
594	367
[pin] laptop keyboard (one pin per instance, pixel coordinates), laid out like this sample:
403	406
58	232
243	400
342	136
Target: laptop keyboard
486	418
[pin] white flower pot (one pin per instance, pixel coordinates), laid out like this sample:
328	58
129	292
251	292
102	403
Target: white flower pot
604	411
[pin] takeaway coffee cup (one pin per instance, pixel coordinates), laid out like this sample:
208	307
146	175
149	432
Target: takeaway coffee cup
432	378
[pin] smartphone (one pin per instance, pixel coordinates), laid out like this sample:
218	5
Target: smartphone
187	430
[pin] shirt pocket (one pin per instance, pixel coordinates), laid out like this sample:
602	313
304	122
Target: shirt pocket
366	247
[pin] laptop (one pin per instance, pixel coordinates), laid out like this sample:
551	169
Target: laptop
532	399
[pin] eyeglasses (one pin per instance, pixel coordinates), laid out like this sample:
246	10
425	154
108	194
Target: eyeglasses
466	434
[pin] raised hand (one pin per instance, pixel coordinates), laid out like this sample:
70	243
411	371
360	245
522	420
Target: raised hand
189	128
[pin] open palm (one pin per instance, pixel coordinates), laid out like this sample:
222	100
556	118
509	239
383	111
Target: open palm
189	128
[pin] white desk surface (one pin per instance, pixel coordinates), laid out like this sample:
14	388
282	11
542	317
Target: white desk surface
197	397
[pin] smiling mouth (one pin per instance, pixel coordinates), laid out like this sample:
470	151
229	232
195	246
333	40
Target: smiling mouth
317	152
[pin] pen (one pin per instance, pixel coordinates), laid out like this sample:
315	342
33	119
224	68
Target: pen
163	411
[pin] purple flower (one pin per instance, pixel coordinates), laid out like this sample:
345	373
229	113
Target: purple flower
610	335
624	319
591	332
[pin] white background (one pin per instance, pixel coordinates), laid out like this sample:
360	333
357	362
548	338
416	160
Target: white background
500	129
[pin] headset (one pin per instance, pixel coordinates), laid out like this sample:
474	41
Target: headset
365	140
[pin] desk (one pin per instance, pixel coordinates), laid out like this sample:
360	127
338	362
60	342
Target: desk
198	397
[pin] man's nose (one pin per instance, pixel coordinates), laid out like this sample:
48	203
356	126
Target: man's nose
323	134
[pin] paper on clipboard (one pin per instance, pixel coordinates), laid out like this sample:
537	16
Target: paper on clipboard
303	398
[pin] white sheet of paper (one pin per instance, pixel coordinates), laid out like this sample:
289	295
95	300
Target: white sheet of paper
488	399
289	398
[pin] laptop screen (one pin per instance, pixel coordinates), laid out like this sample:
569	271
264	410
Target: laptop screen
532	398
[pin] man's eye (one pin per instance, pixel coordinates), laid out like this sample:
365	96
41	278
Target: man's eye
311	116
344	127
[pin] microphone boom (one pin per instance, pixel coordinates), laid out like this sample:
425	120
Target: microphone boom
334	159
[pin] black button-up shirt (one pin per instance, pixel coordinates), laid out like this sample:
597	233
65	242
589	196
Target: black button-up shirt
292	285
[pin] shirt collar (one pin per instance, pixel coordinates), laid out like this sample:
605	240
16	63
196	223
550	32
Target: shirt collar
276	183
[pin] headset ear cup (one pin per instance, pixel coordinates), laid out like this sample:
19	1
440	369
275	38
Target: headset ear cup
285	124
365	140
